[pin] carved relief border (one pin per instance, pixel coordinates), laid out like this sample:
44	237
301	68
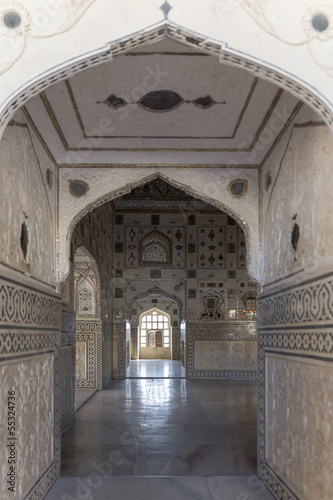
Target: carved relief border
237	331
90	381
22	304
312	301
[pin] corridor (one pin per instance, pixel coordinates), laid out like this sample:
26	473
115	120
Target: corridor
163	438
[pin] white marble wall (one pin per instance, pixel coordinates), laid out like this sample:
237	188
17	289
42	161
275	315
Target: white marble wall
299	403
27	195
225	355
300	191
295	313
32	380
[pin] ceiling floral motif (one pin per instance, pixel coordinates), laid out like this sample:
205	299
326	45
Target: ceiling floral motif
41	20
299	23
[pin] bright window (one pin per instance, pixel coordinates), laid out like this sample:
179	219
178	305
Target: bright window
155	329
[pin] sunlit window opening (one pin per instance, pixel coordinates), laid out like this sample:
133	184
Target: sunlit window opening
155	329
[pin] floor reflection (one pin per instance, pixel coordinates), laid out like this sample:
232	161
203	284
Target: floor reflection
155	368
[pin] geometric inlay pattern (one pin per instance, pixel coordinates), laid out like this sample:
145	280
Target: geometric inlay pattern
309	302
20	305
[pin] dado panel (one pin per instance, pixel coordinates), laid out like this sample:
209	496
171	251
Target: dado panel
30	320
295	376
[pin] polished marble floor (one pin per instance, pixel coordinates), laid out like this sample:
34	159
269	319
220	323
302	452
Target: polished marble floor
163	438
156	368
82	395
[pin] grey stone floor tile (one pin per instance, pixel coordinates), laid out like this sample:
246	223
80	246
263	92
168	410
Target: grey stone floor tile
72	488
152	488
238	488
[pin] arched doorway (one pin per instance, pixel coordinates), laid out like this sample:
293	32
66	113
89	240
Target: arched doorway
39	266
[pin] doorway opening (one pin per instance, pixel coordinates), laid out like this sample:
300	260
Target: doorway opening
155	341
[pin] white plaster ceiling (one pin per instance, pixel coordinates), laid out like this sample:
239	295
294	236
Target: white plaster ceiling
241	128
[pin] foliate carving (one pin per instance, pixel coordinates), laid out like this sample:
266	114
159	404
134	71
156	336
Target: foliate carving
299	412
63	18
267	14
33	381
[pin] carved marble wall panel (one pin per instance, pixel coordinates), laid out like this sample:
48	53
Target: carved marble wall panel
221	350
31	204
217	355
32	379
297	189
295	375
299	412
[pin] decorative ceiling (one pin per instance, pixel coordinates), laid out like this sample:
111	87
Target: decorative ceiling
165	104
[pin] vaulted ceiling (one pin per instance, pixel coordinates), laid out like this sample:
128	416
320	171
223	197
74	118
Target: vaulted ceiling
165	104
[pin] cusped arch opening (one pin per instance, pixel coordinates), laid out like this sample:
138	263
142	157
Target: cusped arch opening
127	188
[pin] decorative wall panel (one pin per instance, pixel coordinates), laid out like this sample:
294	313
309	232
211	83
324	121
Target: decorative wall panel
225	355
89	353
211	248
30	322
221	350
299	405
32	380
295	386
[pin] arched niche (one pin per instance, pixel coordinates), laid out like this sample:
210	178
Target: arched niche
86	284
155	248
